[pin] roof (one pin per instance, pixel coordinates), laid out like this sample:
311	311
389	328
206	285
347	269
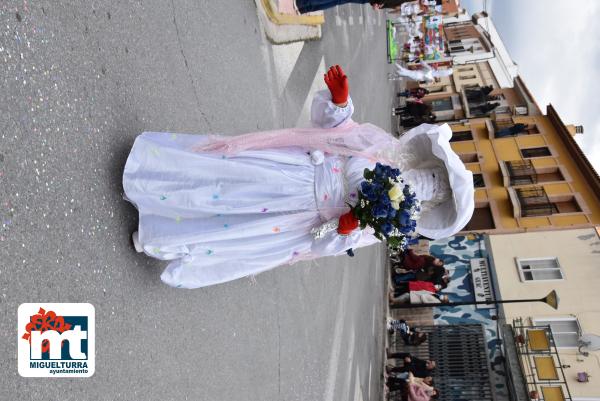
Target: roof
503	66
532	106
573	148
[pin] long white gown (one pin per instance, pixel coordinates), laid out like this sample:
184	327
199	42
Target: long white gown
217	218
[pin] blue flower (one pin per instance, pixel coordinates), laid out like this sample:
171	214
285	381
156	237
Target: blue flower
379	171
377	187
380	210
385	199
387	228
368	191
392	213
404	218
405	229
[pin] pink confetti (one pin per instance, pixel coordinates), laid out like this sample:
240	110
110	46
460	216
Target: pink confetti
325	197
335	169
276	229
264	210
353	195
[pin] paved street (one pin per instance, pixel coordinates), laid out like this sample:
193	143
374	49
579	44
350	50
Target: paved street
78	82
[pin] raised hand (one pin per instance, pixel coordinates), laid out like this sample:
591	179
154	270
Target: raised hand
337	82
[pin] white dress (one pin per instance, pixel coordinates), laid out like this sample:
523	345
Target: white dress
217	218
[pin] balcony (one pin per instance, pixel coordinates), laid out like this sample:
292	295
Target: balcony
534	368
472	100
521	172
531	202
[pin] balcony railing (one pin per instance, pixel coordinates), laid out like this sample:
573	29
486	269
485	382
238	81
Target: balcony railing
521	172
534	202
541	370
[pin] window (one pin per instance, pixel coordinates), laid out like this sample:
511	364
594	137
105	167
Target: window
539	269
469	157
549	174
507	128
482	219
531	129
468	76
536	152
565	331
478	181
442	104
458	136
568	205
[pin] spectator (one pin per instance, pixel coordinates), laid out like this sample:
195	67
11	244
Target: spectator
419	297
417	93
409	336
419	367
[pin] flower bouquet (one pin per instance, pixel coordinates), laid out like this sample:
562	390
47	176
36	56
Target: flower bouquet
388	205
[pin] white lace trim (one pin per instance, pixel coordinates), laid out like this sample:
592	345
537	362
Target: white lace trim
327	227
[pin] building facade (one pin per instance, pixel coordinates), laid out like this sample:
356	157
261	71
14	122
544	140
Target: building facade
534	351
529	172
529	265
479	59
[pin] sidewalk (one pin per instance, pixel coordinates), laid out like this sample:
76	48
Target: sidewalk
415	318
283	24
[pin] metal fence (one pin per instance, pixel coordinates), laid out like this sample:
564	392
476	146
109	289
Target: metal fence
462	370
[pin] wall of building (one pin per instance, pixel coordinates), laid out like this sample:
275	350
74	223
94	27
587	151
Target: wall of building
457	252
578	253
483	154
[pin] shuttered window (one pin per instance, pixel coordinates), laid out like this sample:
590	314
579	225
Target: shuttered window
565	331
539	269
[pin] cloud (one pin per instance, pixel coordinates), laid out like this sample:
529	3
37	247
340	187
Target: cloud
558	55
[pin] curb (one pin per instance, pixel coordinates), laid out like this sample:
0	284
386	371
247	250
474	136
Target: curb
271	8
278	33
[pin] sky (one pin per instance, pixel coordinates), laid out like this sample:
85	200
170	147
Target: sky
556	45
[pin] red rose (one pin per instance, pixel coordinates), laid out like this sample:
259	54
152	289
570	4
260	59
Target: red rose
347	223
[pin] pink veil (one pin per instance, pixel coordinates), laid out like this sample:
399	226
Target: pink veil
349	139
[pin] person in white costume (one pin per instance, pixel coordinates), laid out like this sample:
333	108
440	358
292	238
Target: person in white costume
427	73
221	208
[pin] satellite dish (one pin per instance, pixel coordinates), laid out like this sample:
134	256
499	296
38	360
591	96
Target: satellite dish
589	342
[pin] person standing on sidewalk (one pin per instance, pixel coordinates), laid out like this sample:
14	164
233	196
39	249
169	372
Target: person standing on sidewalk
416	109
417	93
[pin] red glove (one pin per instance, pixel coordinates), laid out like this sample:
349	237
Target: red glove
337	82
347	223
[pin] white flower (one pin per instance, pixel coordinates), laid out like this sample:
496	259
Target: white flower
395	193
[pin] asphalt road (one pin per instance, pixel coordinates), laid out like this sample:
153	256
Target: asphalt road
78	81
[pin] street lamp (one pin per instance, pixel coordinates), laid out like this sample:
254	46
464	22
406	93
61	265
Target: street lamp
550	299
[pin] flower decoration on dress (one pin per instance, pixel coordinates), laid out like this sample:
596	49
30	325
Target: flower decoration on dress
388	205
